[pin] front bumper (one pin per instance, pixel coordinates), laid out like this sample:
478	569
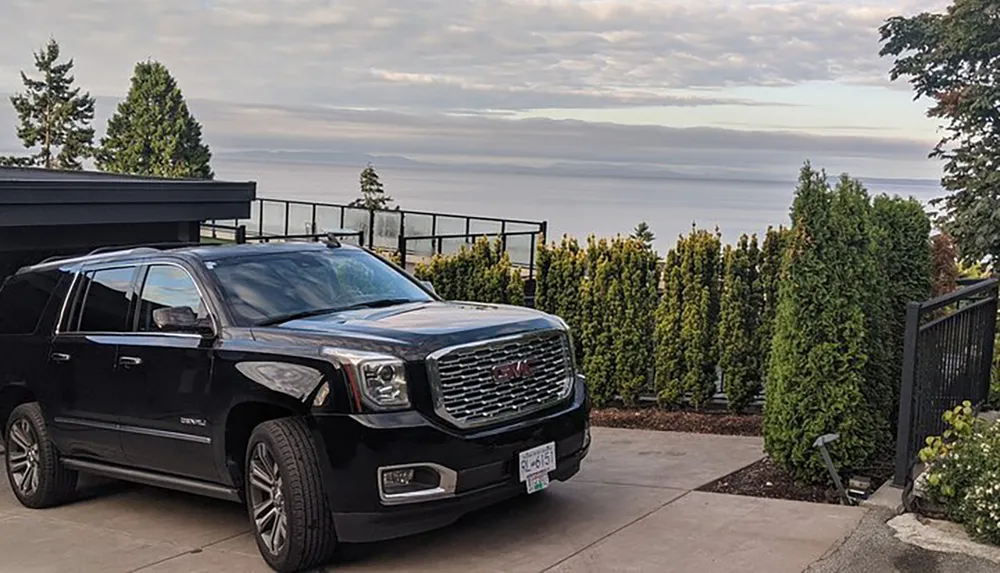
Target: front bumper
355	446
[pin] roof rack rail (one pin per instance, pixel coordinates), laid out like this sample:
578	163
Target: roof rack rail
164	245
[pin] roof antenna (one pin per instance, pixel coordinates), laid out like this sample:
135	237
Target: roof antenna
332	241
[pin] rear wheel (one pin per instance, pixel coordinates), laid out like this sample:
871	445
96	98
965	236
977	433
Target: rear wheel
288	509
34	471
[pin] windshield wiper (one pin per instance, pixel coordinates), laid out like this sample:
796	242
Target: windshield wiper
378	303
297	315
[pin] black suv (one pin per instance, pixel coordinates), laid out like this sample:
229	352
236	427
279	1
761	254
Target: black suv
335	395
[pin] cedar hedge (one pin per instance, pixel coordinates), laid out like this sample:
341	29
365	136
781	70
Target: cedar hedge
813	315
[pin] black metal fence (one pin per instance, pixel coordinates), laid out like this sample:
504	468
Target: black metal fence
425	233
436	245
947	359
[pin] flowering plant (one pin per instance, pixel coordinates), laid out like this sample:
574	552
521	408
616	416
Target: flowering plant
963	472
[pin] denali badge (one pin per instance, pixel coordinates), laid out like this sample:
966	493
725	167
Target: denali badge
512	370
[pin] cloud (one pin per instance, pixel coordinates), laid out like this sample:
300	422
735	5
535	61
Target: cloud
459	54
331	135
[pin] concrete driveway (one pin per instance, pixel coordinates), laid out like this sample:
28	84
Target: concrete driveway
631	508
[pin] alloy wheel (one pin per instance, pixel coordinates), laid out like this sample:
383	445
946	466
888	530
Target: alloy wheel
23	457
267	499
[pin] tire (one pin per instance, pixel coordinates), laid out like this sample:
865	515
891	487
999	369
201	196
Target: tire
36	476
283	449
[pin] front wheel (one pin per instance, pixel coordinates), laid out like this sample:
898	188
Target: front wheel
286	501
34	471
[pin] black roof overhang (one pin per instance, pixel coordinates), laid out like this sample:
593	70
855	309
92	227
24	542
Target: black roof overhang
30	198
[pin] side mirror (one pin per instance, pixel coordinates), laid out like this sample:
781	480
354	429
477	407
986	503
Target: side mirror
181	319
429	285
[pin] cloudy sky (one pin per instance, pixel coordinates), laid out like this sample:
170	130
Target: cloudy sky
690	85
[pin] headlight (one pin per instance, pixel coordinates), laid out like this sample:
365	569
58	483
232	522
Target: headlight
380	378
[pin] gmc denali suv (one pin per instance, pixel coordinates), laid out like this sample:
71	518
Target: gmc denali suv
335	395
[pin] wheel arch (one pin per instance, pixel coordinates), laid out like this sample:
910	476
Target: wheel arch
240	421
12	396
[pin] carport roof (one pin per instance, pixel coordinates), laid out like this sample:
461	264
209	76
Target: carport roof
33	197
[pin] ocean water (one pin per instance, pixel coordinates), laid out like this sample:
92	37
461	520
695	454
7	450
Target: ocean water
578	206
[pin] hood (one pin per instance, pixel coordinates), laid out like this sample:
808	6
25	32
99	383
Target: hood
423	326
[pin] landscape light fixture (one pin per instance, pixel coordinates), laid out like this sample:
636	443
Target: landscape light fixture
821	443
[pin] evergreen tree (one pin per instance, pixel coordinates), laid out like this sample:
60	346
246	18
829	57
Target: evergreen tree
669	346
54	116
644	234
771	256
372	192
819	360
944	264
739	317
153	132
700	271
903	251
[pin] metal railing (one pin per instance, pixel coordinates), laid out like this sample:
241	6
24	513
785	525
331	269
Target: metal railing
382	228
947	359
437	245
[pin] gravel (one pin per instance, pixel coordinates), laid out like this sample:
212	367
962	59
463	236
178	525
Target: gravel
873	548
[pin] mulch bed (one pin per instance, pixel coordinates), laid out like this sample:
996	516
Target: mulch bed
760	479
678	421
766	479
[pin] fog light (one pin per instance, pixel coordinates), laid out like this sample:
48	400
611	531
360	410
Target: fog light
393	479
414	483
586	436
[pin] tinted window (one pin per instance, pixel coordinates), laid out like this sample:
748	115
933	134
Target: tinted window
23	300
167	286
262	288
105	306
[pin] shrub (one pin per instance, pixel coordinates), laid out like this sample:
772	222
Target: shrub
561	270
771	256
963	468
669	366
482	273
818	359
618	298
700	273
739	317
902	249
944	264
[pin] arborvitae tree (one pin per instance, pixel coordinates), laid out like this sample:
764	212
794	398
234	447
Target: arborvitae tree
597	337
818	359
669	346
482	273
560	273
635	306
905	260
53	115
771	257
739	317
700	270
152	132
372	192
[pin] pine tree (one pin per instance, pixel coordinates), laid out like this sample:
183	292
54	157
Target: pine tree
644	234
54	116
817	370
372	192
153	132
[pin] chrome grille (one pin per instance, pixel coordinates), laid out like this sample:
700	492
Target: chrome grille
468	394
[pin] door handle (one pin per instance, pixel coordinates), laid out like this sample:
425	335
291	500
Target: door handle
60	357
129	361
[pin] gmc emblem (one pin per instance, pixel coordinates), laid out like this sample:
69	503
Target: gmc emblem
512	370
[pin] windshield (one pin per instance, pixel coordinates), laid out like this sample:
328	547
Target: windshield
276	287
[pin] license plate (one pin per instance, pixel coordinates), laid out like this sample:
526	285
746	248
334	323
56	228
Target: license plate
535	465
